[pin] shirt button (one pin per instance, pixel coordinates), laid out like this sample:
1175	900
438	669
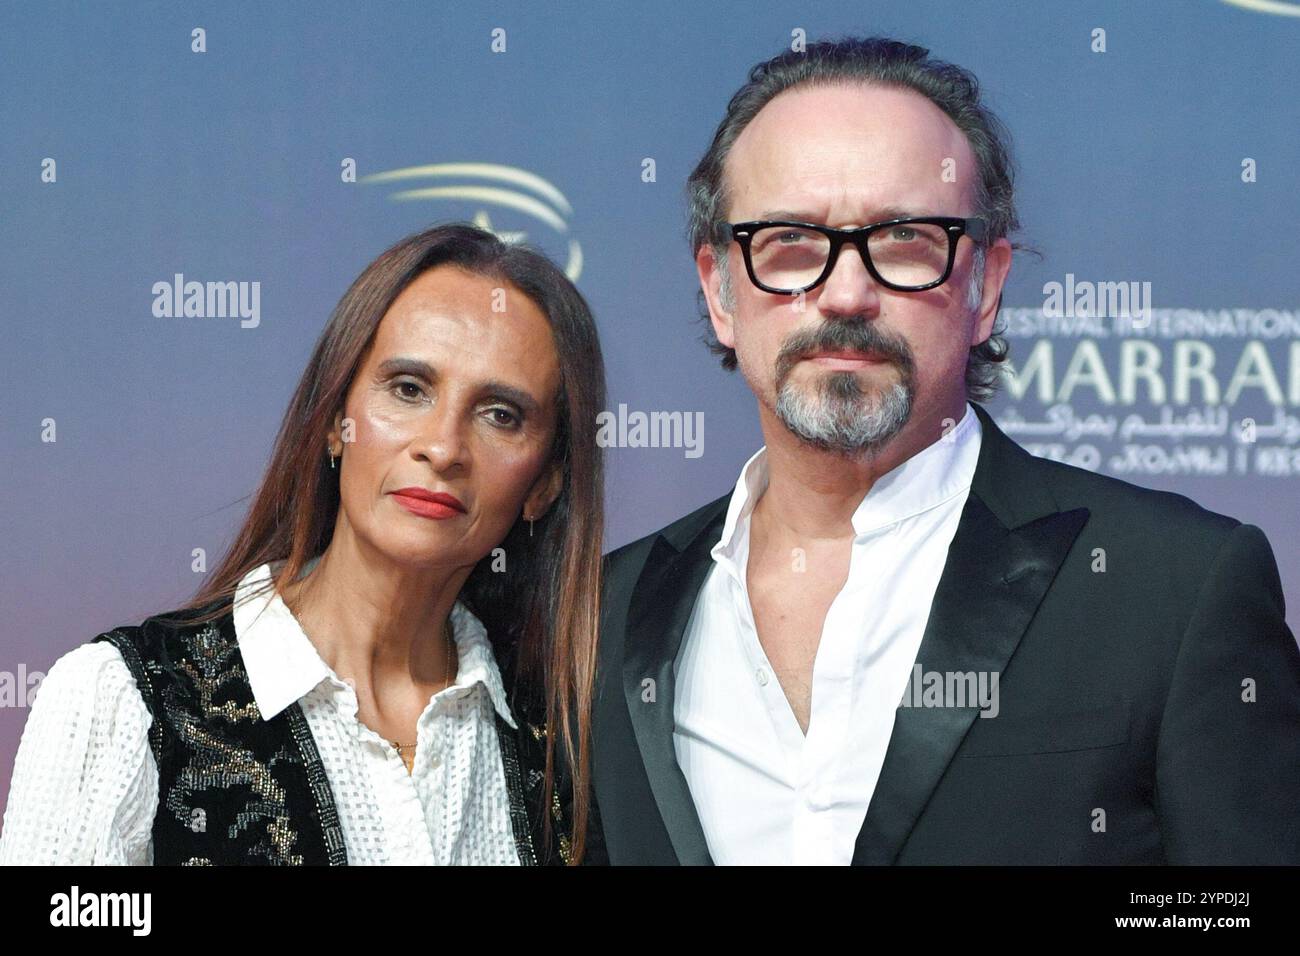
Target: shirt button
761	674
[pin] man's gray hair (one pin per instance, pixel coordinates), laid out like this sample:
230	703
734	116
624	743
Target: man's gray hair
884	62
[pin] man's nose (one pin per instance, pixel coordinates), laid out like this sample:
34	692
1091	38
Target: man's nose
850	287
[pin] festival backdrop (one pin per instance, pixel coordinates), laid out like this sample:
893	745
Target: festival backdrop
272	150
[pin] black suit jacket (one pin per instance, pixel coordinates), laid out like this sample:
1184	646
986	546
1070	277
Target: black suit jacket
1128	731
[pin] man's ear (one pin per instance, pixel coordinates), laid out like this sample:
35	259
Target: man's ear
710	272
997	264
545	490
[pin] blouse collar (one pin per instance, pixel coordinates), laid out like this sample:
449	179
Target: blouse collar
283	665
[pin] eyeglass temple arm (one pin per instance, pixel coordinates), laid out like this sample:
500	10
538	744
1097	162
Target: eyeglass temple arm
977	229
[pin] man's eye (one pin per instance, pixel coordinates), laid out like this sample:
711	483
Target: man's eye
904	233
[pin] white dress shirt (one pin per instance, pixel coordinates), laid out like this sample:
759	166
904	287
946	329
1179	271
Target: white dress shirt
764	792
85	782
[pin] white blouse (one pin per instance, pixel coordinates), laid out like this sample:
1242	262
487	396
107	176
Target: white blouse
85	782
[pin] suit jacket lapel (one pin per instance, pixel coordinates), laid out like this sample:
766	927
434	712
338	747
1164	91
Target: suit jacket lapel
1009	544
658	613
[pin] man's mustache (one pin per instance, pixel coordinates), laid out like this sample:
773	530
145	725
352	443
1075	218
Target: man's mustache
843	337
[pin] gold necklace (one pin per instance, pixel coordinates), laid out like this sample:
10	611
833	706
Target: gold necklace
446	656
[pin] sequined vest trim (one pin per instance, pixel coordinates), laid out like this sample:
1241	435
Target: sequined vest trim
235	789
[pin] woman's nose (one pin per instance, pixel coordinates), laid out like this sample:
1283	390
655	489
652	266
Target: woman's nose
442	435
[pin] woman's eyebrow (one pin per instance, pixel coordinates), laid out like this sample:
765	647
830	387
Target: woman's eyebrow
407	366
517	395
422	369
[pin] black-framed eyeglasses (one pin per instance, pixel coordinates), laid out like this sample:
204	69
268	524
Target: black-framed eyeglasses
907	255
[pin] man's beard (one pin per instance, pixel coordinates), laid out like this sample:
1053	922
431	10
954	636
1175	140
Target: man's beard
835	412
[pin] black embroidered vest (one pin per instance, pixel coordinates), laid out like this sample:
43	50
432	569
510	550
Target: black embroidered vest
235	789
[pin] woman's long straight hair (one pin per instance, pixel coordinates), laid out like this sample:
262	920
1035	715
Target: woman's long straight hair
542	613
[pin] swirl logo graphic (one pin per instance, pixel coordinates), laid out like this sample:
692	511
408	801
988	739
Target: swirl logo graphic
508	188
1283	8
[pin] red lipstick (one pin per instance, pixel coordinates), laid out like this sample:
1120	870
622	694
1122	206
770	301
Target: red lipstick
429	504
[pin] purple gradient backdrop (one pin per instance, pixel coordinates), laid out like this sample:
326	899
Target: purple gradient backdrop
225	166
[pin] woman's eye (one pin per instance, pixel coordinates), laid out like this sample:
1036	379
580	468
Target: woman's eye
399	386
504	417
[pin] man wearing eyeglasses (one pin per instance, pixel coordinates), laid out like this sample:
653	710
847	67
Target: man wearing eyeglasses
893	641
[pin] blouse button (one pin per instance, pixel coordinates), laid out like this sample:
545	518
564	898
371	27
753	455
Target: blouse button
761	674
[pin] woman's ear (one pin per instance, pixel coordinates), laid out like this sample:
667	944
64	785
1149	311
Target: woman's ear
335	435
545	490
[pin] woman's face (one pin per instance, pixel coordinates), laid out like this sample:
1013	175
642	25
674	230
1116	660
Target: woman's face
456	396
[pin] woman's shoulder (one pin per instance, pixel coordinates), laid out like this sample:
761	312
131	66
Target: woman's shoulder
98	672
87	707
94	666
159	635
91	684
83	766
98	684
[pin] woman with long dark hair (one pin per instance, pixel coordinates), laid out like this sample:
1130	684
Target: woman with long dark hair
394	661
